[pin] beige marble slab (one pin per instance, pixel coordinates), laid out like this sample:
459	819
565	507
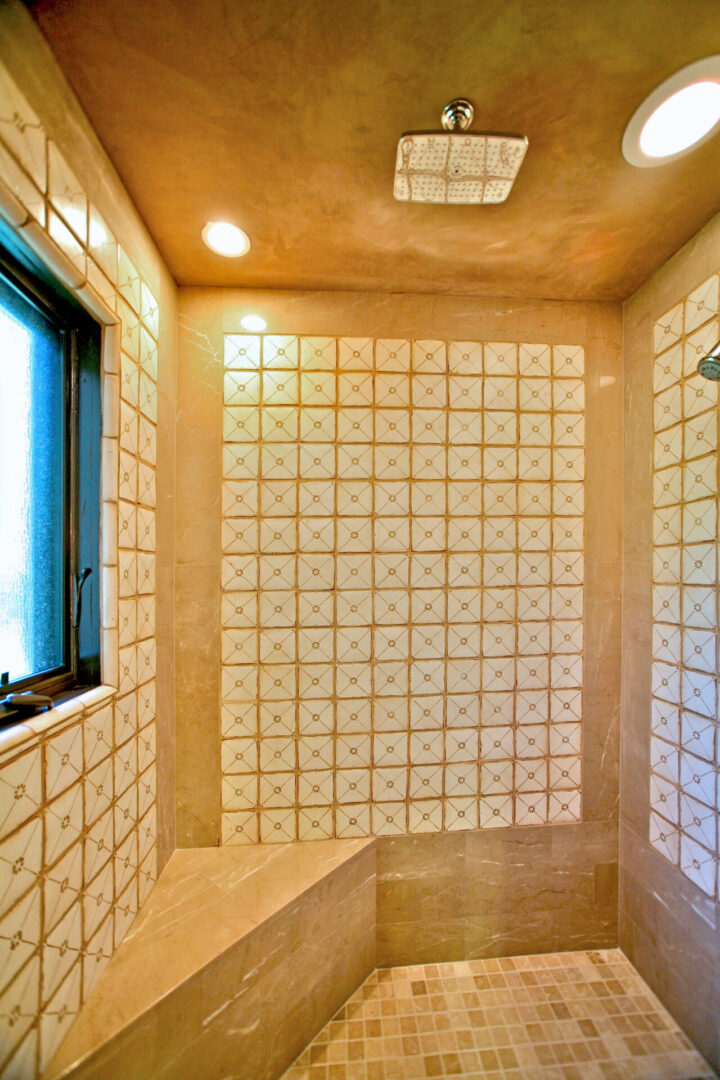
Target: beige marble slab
205	902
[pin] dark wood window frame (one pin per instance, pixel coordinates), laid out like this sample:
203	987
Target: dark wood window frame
82	338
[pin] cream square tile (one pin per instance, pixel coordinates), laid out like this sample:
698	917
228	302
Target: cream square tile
564	807
429	391
429	425
497	709
315	824
61	948
277	718
465	391
63	822
280	351
58	1015
354	388
464	534
462	710
496	811
314	681
19	1007
391	462
21	862
20	184
240	683
429	356
315	388
240	828
352	820
531	809
96	957
98	848
388	819
668	328
425	782
277	826
67	241
102	244
465	463
277	646
355	461
352	716
354	425
465	357
63	760
464	427
99	791
318	353
668	368
427	712
242	352
128	280
698	345
535	429
699	395
534	360
568	361
698	864
62	887
317	424
392	354
241	792
425	815
355	354
500	358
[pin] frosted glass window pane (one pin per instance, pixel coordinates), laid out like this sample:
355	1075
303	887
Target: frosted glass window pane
32	489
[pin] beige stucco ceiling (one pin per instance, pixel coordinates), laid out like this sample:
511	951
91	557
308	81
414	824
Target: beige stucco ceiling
284	116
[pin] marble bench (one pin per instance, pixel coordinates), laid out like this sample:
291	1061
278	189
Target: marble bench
238	958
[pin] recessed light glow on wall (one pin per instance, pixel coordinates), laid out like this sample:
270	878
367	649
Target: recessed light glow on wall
254	323
226	239
682	113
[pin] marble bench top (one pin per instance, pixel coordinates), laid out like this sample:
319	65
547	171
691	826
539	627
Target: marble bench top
205	900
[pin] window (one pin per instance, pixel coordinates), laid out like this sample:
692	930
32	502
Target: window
49	483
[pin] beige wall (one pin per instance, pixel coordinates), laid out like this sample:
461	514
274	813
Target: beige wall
87	790
205	317
669	914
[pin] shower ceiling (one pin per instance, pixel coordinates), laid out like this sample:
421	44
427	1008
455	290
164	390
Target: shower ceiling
284	116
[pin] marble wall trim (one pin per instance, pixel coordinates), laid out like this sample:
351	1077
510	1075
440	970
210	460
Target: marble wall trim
505	892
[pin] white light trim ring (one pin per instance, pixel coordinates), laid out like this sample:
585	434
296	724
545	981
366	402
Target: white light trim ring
255	324
658	123
226	239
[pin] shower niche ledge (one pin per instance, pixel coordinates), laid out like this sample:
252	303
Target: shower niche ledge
238	958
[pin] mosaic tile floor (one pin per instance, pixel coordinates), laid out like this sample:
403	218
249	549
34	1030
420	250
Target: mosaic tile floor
558	1016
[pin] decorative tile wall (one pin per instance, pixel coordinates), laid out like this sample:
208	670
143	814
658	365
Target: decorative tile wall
684	752
402	576
77	785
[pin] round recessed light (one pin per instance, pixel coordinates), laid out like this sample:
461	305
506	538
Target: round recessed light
681	113
226	239
255	323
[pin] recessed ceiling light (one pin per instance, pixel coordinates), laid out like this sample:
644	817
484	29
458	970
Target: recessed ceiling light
255	323
226	239
682	113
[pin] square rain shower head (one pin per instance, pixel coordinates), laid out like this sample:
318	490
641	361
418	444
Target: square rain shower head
457	167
